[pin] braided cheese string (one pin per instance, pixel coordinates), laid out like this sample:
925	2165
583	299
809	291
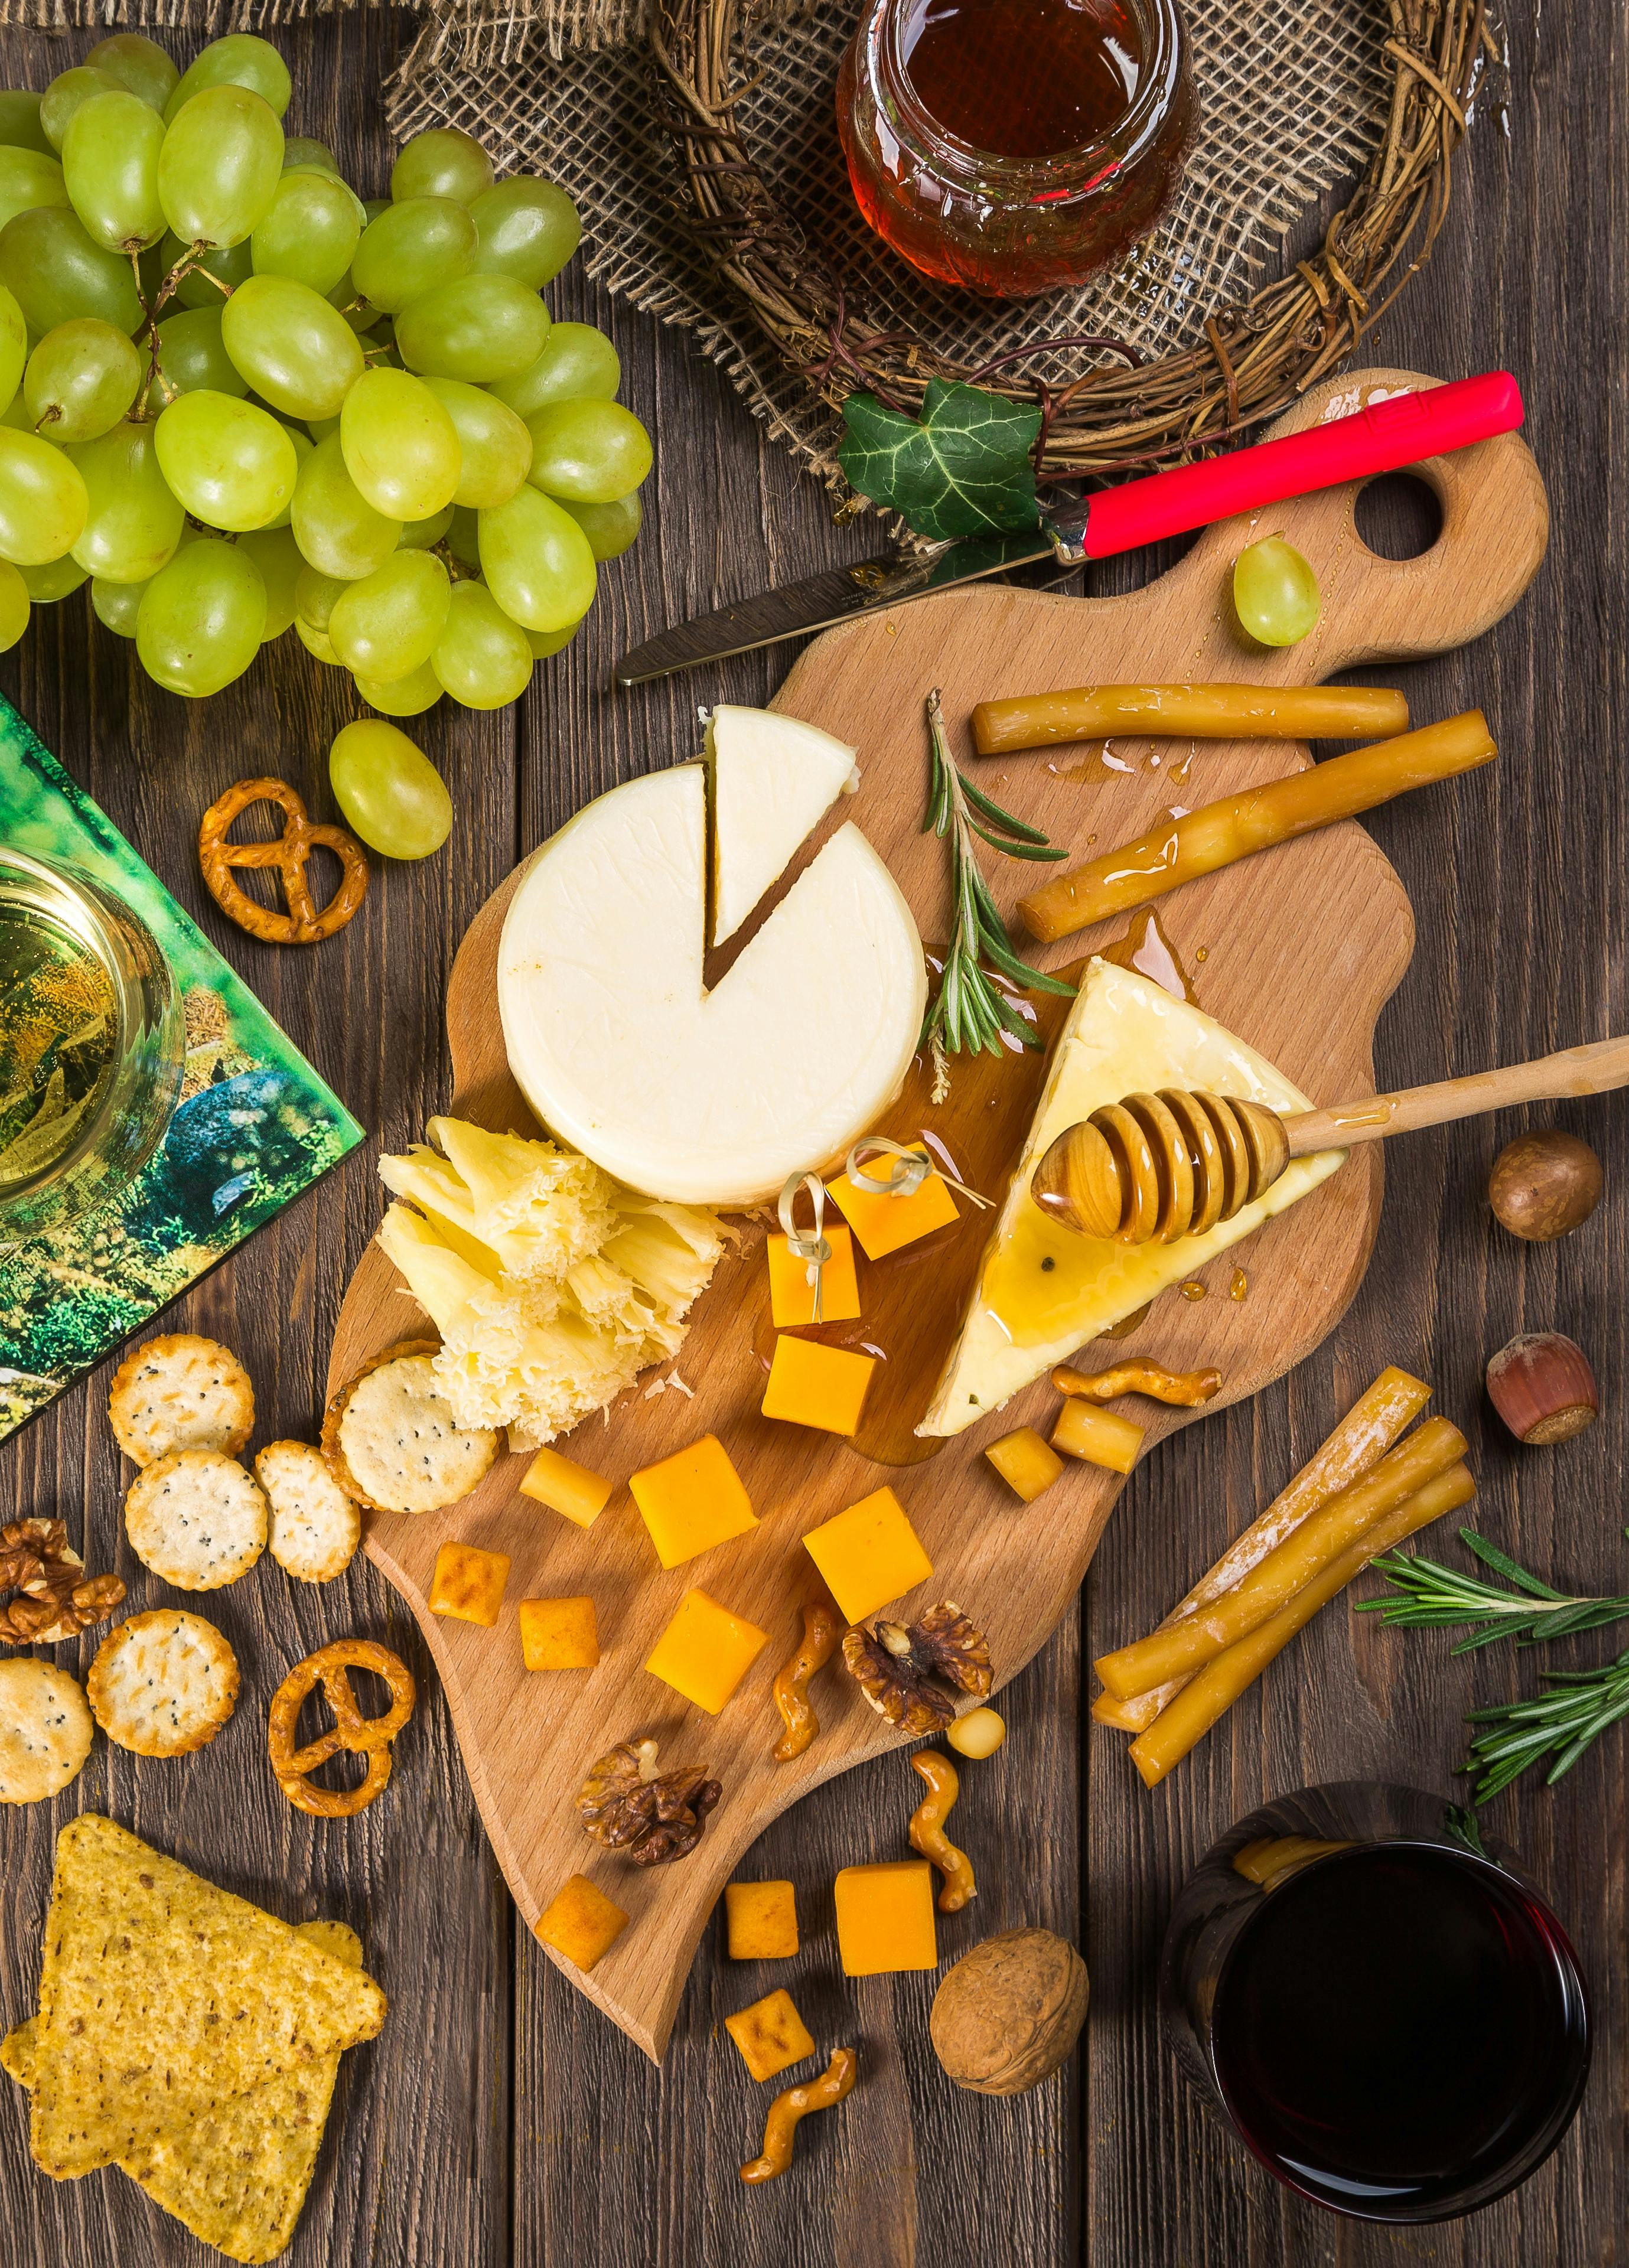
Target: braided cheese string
815	1249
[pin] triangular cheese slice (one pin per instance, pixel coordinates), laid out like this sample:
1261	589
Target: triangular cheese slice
1044	1291
773	780
161	1995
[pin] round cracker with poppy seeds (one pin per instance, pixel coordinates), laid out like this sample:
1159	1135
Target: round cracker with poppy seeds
181	1392
196	1519
163	1683
45	1730
392	1441
315	1527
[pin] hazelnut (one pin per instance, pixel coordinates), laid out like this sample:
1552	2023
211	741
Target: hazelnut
1545	1184
1543	1388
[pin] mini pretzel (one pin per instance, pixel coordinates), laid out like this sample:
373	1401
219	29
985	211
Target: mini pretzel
369	1736
302	924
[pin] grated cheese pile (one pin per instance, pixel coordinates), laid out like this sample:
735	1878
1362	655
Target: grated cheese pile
551	1285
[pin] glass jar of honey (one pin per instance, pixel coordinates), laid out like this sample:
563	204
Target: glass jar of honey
1015	146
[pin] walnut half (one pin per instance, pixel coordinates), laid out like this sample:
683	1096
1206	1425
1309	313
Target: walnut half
58	1599
627	1805
903	1670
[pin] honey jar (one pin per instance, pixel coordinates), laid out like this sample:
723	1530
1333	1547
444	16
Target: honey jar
1015	147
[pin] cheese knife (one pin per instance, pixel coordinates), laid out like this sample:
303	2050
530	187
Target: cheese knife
1384	437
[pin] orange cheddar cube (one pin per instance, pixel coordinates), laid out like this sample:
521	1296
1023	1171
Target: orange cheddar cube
705	1651
571	1490
868	1554
883	1224
581	1922
814	1385
792	1295
692	1501
763	1919
885	1917
469	1583
1025	1462
559	1634
770	2035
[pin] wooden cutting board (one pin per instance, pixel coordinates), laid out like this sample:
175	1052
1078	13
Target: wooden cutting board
1300	948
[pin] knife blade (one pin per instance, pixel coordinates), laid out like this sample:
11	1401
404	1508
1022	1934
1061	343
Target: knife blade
1394	432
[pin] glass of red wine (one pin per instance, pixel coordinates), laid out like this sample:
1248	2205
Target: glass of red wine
1386	2012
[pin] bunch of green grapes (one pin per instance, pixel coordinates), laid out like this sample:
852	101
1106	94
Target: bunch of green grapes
237	399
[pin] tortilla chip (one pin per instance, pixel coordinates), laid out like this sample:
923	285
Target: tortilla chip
238	2175
161	1997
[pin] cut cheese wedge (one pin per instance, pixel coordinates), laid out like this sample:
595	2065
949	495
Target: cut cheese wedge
773	780
1044	1291
708	1098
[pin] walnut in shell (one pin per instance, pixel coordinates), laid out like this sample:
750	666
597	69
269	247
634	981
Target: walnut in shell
904	1670
1009	2012
629	1805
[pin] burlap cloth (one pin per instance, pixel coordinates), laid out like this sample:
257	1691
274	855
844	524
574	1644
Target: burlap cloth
1292	96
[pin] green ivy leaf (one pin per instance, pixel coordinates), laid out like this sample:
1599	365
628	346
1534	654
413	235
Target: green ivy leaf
964	469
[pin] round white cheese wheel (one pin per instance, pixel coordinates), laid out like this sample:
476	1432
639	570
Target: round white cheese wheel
707	1097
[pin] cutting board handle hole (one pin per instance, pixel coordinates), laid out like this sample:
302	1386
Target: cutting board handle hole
1398	516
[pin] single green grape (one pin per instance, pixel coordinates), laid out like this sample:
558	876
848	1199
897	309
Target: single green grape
404	697
315	597
57	578
425	534
117	605
495	444
239	59
43	505
55	272
442	162
536	561
304	446
412	246
232	464
611	528
277	555
14	603
483	658
191	355
310	234
463	536
1275	593
316	642
528	228
220	164
139	63
67	91
28	179
229	266
300	150
587	452
400	446
335	526
388	623
390	792
544	643
20	122
201	618
577	363
135	520
110	169
80	379
294	349
13	351
476	327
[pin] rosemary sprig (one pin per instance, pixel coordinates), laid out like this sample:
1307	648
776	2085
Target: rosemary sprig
970	1012
1434	1597
1561	1723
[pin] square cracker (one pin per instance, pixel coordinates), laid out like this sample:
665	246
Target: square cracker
160	1996
238	2174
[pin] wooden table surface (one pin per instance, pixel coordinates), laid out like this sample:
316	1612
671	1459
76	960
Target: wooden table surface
500	2118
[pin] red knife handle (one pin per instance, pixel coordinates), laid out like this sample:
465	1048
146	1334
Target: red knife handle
1382	438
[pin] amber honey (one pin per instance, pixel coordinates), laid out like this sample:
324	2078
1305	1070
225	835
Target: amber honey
1024	78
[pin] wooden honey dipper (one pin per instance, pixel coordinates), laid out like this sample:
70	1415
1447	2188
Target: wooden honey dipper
1152	1167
